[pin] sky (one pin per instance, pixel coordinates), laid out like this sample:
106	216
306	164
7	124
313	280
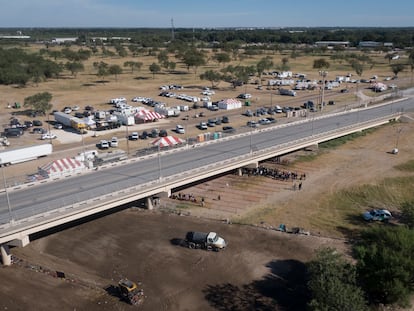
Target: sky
206	14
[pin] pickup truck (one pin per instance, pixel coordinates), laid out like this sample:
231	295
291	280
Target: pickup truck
208	241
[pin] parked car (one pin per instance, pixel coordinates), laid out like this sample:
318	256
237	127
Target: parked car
13	132
211	123
271	120
252	124
114	141
154	133
163	133
58	126
225	119
48	136
202	126
179	129
39	130
264	121
67	110
377	215
228	129
103	144
28	124
144	135
245	96
133	136
37	123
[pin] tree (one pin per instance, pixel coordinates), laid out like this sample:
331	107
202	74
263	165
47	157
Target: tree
74	67
397	68
40	102
133	65
222	58
264	64
115	70
238	75
154	68
213	76
102	68
333	283
194	58
385	264
321	64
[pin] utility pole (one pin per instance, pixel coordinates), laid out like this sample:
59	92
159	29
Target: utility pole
7	192
172	30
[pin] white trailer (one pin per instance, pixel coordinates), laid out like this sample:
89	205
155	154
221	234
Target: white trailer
24	154
63	118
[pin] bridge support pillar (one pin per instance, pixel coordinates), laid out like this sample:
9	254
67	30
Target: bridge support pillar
5	255
149	204
21	242
239	172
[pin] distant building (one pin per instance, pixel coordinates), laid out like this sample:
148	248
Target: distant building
63	40
344	44
370	44
18	37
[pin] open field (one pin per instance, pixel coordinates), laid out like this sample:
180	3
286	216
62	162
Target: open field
261	267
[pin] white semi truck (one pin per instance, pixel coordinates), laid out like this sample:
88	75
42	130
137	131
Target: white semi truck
208	241
18	155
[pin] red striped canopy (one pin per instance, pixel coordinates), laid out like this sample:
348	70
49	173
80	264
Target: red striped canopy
167	141
148	115
62	166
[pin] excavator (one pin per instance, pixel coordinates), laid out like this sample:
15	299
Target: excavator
130	292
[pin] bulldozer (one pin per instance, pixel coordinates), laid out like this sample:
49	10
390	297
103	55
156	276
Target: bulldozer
130	292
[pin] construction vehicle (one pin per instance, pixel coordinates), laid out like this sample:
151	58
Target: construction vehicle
130	292
208	241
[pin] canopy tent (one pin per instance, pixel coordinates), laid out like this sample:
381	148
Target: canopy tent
230	103
61	167
145	115
167	141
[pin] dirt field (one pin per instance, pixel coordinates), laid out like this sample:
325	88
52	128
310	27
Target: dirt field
138	245
260	269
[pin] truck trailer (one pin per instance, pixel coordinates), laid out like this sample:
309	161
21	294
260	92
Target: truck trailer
70	121
19	155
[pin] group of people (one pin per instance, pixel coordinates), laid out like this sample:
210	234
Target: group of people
184	197
274	173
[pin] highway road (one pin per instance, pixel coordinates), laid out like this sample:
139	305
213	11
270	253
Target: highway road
38	199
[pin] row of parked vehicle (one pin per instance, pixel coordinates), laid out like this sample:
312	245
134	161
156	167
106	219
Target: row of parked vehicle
213	122
154	133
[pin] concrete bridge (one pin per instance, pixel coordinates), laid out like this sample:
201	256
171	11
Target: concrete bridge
35	207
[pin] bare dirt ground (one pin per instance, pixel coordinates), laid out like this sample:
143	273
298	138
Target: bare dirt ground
258	265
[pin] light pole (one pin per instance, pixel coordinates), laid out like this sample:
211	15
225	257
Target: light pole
323	73
159	161
7	192
399	130
127	136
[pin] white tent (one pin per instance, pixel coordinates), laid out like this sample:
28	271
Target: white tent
167	141
230	103
145	115
61	167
